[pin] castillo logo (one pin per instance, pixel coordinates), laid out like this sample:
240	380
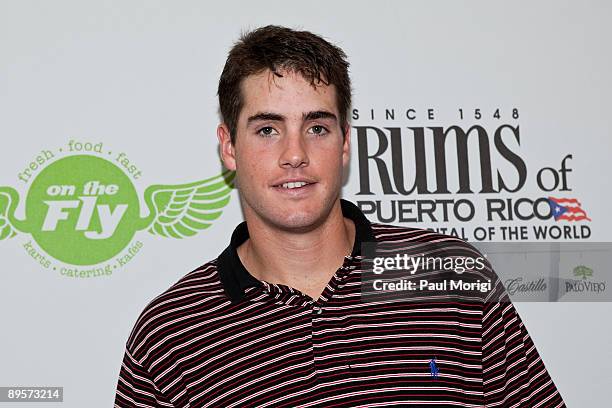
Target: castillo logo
83	210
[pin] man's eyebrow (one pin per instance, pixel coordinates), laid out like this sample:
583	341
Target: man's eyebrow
319	115
261	116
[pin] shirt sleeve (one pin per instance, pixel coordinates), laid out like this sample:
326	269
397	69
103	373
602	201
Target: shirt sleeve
136	387
514	375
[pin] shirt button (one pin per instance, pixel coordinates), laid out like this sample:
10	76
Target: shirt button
318	310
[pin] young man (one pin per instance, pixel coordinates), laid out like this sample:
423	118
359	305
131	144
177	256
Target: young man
278	318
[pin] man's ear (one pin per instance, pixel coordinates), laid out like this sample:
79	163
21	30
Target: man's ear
346	145
226	148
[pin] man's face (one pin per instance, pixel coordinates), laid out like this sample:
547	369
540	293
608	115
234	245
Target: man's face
288	132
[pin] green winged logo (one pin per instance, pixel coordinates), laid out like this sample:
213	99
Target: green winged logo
83	210
183	210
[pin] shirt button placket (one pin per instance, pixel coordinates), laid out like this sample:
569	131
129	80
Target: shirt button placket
316	310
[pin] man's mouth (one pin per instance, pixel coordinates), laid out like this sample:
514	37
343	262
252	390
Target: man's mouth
295	184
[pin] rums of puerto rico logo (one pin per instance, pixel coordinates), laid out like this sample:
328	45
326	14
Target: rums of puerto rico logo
469	172
82	211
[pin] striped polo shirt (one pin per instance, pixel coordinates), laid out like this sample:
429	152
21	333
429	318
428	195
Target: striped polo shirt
219	337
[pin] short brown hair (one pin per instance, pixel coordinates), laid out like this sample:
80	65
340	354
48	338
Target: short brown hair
280	48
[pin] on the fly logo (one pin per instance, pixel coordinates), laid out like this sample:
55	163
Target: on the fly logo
85	206
83	211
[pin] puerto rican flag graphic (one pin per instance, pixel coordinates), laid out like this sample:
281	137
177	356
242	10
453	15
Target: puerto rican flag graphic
567	209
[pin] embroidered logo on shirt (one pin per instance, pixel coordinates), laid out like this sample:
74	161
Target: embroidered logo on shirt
433	368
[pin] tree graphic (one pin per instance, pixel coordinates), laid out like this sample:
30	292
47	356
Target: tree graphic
583	272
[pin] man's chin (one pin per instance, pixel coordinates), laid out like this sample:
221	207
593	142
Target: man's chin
292	215
297	222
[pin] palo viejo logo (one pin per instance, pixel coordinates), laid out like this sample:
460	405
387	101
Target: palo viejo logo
82	209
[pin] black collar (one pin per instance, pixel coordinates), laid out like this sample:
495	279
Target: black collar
235	277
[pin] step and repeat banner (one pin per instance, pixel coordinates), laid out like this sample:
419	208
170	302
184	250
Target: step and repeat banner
489	122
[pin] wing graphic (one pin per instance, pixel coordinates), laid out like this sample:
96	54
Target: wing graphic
180	211
8	203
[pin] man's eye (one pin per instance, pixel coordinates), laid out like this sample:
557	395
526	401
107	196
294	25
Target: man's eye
318	130
266	131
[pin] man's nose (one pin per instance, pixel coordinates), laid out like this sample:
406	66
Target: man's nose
294	153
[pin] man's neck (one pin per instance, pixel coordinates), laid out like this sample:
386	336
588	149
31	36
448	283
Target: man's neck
305	261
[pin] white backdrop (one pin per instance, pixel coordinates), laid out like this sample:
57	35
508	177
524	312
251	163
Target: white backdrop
140	77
